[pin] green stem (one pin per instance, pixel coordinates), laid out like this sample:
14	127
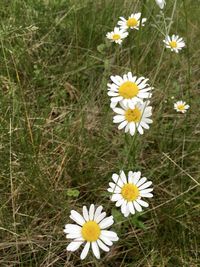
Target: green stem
187	51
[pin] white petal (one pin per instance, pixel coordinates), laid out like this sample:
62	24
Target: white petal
74	245
122	18
131	207
111	93
105	223
100	217
116	197
137	15
91	212
130	177
118	118
97	212
115	177
116	79
136	177
131	104
115	186
75	216
148	120
138	81
127	213
140	129
102	245
123	177
141	181
124	207
122	125
119	111
74	235
119	202
113	104
144	191
129	75
149	195
85	213
116	98
70	228
116	190
133	79
137	206
160	3
143	84
110	234
127	128
125	78
95	250
142	203
85	251
117	180
144	125
147	184
132	128
106	240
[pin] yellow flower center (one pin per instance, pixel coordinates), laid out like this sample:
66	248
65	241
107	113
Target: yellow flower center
130	192
173	44
90	231
133	115
132	22
128	90
116	37
181	107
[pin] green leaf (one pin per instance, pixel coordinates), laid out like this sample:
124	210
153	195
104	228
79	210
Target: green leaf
101	48
73	192
117	215
136	222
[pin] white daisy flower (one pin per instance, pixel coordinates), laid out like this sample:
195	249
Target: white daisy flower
128	193
174	43
133	119
133	22
181	106
161	3
129	89
117	35
91	231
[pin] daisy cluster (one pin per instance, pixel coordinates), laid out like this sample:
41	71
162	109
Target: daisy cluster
130	101
129	89
131	94
120	32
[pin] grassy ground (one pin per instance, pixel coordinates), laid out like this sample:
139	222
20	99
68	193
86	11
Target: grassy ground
59	146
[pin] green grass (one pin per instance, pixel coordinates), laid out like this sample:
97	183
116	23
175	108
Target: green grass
57	135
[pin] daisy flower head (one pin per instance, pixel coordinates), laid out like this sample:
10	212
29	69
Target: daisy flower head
117	35
175	43
133	22
181	106
128	89
161	3
90	229
128	192
133	119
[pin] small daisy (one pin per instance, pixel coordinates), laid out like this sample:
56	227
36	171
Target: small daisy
181	106
161	3
174	43
133	119
128	89
90	229
127	193
133	22
117	35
